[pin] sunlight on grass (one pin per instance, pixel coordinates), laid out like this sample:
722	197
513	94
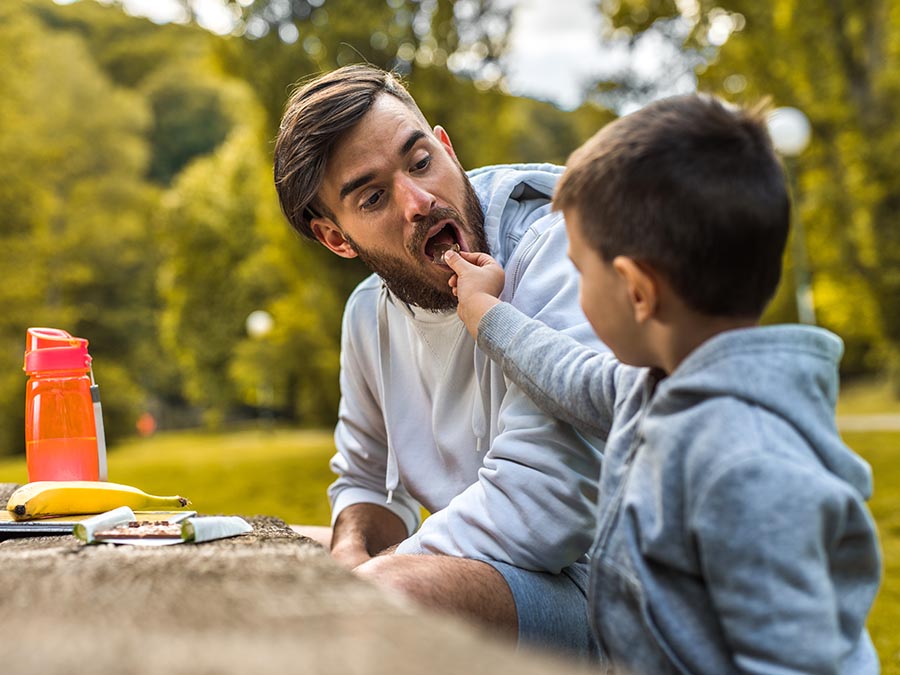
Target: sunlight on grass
278	473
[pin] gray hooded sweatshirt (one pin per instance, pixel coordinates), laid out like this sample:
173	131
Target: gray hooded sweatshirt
733	534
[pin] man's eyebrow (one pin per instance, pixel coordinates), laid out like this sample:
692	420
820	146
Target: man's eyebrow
414	138
352	185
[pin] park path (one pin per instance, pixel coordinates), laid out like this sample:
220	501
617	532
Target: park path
874	422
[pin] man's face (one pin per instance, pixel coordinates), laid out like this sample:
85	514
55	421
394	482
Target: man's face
398	195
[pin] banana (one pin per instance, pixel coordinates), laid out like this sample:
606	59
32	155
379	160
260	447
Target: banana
64	498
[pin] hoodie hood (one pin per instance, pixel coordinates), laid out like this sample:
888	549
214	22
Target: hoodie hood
790	371
512	197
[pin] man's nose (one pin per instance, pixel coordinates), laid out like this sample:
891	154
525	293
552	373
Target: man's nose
415	201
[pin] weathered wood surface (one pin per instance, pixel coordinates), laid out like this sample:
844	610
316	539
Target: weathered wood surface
268	602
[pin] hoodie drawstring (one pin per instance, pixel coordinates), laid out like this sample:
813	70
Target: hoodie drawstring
392	475
482	399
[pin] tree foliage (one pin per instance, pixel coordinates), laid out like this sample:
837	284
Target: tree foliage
837	60
139	210
72	157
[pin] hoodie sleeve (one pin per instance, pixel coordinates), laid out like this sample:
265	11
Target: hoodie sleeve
533	505
783	548
563	377
361	462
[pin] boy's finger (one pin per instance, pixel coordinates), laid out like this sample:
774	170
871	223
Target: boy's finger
478	259
454	260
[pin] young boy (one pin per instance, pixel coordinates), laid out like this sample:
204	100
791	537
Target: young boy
733	534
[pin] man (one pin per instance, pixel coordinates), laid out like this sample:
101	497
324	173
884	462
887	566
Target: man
425	419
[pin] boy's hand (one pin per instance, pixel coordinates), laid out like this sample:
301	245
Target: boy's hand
477	283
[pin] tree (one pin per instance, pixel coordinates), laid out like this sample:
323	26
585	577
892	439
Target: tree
836	60
72	157
208	229
137	197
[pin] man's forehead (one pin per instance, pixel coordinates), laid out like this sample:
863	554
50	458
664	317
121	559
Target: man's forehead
388	120
382	135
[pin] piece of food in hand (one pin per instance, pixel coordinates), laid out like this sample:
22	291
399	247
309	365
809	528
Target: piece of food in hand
42	499
441	249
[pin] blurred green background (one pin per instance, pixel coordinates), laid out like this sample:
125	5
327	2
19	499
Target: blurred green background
137	208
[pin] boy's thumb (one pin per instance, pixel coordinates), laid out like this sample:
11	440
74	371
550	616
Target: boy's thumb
452	258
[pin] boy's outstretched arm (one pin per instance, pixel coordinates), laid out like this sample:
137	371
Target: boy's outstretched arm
477	284
563	377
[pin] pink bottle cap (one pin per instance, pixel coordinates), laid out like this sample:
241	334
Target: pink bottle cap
50	349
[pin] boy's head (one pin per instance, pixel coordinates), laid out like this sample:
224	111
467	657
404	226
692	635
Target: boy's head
690	190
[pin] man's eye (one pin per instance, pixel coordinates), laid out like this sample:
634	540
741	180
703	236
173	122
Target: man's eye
422	163
373	200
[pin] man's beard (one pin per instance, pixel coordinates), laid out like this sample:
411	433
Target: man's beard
408	280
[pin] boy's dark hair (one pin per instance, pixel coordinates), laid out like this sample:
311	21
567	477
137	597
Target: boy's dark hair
694	189
316	116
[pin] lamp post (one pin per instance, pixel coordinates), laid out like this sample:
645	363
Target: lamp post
259	324
790	131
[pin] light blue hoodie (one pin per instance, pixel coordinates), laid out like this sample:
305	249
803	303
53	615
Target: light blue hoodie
733	534
426	419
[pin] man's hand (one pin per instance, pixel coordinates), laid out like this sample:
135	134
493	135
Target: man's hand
364	530
350	554
477	284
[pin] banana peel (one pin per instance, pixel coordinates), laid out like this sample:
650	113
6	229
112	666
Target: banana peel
43	499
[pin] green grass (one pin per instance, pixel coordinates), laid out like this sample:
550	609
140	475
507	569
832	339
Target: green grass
867	396
285	473
882	450
253	472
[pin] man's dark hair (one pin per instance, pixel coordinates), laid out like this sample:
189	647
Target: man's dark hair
693	188
316	116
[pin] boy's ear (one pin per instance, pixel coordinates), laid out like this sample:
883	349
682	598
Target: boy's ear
444	138
331	237
641	285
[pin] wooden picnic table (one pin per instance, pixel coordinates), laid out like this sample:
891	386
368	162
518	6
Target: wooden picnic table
270	601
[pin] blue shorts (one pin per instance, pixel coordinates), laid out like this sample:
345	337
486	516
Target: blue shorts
552	608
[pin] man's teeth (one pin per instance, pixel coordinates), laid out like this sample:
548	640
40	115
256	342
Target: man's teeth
441	249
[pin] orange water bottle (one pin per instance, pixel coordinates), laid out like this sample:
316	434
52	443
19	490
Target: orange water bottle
61	428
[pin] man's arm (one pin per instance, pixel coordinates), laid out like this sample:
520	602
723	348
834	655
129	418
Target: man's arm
363	521
362	531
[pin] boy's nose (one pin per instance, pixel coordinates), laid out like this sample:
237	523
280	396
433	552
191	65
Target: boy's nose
416	201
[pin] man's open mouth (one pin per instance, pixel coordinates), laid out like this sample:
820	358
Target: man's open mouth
445	238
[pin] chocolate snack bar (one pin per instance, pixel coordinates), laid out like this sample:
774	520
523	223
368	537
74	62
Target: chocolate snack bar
160	529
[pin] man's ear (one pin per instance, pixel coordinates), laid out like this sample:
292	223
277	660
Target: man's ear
444	138
641	285
331	237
